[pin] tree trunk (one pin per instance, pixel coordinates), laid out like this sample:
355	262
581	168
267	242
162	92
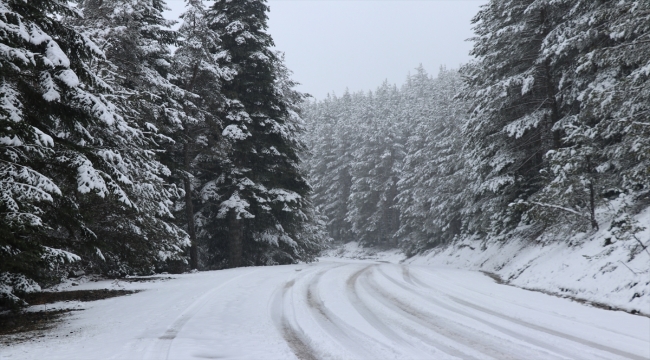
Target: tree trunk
592	205
189	211
187	182
236	232
592	197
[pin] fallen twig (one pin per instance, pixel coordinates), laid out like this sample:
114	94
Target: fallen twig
633	272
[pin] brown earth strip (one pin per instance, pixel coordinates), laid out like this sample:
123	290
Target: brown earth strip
15	322
47	297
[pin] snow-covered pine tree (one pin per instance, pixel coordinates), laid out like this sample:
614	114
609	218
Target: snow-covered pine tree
311	234
605	149
137	235
400	153
262	190
197	152
329	138
432	188
60	147
39	92
375	167
514	100
417	116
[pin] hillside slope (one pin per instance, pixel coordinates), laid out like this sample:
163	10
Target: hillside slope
588	267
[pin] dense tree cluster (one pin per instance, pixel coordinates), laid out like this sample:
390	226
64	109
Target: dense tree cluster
386	165
548	128
119	156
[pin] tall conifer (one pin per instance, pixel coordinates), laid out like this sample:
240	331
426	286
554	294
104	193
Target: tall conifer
262	190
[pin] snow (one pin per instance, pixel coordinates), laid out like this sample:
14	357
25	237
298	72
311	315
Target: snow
235	132
89	179
42	138
10	102
520	126
236	204
56	56
54	256
588	268
354	251
68	77
51	90
10	283
10	141
282	195
334	309
527	85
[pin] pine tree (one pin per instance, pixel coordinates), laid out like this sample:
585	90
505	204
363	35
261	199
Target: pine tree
329	138
432	189
25	192
375	167
57	133
515	106
139	234
604	151
400	151
197	152
262	191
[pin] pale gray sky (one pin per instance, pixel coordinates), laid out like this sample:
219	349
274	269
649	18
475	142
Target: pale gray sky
332	45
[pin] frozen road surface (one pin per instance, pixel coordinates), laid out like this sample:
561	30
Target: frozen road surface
338	310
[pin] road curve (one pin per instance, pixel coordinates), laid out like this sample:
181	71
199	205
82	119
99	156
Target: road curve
339	310
343	310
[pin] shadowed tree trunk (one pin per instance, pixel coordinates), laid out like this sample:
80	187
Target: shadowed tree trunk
592	196
189	205
236	232
189	210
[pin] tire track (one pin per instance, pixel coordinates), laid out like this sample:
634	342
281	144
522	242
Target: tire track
559	334
162	345
528	339
467	336
295	338
365	312
346	335
523	323
381	326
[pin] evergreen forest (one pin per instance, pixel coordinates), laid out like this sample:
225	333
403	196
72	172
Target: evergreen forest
546	133
132	147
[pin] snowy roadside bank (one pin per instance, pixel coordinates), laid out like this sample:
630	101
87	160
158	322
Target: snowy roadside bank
595	268
587	268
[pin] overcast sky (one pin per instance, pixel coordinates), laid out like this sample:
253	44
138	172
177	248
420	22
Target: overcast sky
332	45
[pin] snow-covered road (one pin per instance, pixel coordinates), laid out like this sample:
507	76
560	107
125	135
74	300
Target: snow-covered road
338	310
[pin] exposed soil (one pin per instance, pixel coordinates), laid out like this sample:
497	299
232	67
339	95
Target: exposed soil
33	323
145	279
17	322
78	295
495	277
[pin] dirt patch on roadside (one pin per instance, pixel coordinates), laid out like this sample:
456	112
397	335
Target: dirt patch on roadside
145	279
21	326
78	295
19	322
495	277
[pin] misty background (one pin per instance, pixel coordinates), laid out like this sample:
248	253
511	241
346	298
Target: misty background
334	45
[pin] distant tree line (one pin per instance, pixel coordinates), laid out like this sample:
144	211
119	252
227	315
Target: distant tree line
119	156
548	128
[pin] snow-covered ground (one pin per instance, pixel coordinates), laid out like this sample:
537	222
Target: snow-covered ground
354	251
337	309
596	268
